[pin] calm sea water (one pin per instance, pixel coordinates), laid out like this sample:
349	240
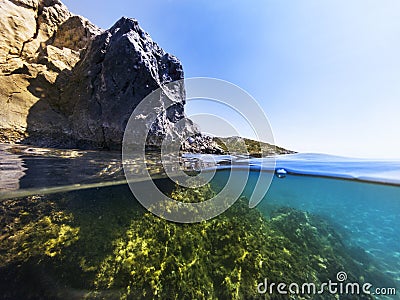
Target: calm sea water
360	198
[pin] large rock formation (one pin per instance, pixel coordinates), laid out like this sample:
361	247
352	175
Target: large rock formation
39	40
66	83
117	71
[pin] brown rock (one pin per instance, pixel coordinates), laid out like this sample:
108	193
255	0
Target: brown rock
32	56
18	23
75	33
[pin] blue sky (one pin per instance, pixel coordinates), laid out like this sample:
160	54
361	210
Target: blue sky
326	73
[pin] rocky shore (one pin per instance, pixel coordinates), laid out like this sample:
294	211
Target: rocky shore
65	83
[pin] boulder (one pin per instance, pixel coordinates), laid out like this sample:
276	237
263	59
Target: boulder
118	70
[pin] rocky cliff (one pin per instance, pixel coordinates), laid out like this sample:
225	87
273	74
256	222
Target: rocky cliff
66	83
39	41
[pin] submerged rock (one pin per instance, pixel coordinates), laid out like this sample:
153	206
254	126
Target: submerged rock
104	245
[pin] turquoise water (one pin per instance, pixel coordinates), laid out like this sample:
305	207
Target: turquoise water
366	205
369	213
359	197
84	196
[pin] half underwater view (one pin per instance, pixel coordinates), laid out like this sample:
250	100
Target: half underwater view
199	150
71	229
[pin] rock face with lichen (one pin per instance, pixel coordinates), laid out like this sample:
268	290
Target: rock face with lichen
66	83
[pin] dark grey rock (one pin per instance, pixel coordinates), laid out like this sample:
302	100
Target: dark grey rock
119	69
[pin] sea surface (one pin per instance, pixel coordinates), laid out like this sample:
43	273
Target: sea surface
61	207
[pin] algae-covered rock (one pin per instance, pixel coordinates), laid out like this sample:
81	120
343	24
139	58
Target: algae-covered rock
101	244
224	258
34	233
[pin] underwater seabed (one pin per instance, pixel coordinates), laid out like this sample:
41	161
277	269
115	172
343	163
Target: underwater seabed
366	213
71	229
101	243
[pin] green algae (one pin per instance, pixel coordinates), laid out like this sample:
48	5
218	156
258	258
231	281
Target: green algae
46	235
103	243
